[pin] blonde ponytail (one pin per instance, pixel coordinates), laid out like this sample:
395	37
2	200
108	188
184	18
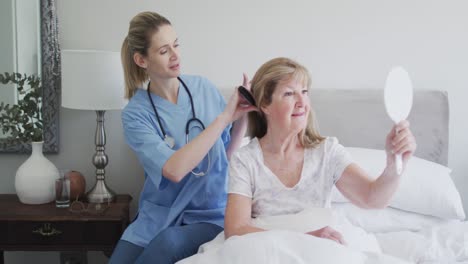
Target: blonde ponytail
134	75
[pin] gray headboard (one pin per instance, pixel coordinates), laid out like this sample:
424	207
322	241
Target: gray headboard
358	119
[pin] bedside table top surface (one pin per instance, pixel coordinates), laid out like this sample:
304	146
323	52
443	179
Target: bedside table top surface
11	209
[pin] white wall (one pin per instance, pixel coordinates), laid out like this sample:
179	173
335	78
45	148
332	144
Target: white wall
345	44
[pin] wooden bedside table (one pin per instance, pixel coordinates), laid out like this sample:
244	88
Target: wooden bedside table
47	228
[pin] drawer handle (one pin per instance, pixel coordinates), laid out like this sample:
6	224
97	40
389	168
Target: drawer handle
47	231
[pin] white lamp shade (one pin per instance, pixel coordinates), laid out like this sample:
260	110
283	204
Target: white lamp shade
92	80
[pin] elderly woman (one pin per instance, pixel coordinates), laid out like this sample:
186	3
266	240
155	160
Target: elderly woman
288	166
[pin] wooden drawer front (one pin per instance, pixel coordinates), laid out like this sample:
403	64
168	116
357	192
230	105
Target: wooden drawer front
103	232
45	233
3	232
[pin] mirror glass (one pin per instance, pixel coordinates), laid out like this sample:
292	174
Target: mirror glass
20	29
398	94
29	45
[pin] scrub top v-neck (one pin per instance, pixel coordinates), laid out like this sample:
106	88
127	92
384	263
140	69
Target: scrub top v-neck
194	199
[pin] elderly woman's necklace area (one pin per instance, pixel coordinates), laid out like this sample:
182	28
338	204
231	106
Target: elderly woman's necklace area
287	171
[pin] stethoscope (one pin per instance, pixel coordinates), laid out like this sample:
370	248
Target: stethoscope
170	142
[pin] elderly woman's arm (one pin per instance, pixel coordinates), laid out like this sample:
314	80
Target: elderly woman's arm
359	189
355	185
238	220
238	217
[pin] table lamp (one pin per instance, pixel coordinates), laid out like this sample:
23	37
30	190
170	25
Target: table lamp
93	80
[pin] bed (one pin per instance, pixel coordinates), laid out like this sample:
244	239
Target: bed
424	222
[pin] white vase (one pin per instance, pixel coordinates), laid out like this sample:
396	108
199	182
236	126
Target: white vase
35	178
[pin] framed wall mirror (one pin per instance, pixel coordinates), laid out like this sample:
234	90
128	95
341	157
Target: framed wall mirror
47	59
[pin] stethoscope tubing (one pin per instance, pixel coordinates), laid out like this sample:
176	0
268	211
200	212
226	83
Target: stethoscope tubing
194	116
187	125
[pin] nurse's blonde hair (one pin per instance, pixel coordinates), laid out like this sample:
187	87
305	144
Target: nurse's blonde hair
138	40
264	84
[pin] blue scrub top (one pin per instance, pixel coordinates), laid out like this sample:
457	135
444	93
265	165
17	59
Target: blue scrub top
194	199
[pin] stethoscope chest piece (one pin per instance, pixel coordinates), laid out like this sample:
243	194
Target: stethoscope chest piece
170	142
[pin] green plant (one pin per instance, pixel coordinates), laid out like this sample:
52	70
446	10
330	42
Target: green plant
22	122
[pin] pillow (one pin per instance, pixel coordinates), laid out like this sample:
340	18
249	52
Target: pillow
425	187
385	220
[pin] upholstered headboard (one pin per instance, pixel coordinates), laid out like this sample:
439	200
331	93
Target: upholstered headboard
358	119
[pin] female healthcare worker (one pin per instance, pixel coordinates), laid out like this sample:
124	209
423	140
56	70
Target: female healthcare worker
179	127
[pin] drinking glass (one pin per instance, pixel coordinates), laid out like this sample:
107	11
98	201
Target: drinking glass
62	190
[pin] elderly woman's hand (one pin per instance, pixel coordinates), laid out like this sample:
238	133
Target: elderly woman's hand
400	140
329	233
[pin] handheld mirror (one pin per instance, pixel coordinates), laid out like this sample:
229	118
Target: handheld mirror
398	97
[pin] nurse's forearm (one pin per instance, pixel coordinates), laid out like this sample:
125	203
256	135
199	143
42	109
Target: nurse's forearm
239	128
190	155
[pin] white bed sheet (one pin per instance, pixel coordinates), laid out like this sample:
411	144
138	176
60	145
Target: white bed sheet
386	220
445	242
287	243
280	246
441	243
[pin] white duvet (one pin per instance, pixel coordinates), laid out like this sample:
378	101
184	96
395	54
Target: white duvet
281	246
442	243
287	243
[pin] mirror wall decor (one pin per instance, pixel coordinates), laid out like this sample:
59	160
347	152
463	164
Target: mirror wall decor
48	61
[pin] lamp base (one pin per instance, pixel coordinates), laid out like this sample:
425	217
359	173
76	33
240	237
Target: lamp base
100	193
